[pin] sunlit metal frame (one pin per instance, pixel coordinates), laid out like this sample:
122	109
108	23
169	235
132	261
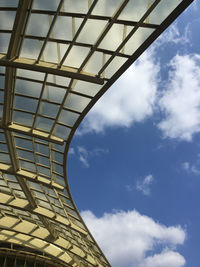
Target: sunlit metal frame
36	206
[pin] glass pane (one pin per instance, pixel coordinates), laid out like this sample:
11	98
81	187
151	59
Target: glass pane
10	3
42	149
137	40
48	109
91	31
25	155
23	118
24	143
76	6
163	9
4	157
43	170
62	132
76	102
25	103
44	124
106	8
76	56
113	38
4	42
27	165
30	74
46	5
7	20
42	160
38	25
68	117
134	10
87	88
54	94
28	88
30	48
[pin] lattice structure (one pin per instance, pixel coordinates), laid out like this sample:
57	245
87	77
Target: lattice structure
57	57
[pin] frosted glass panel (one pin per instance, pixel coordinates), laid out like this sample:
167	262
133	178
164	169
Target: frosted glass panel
163	9
76	102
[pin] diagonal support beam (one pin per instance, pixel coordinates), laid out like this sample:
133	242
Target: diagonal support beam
16	167
50	68
19	23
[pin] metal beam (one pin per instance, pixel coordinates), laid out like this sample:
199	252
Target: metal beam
33	133
31	177
16	167
50	68
18	27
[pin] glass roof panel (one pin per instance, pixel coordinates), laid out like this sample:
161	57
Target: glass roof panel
134	10
48	109
23	118
28	88
163	10
46	5
54	94
30	48
78	6
65	60
91	31
38	25
25	103
7	20
4	42
76	102
43	123
76	56
9	3
106	8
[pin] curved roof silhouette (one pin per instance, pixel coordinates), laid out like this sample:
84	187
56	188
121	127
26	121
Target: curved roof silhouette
57	58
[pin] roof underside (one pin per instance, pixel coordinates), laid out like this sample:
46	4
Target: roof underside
57	58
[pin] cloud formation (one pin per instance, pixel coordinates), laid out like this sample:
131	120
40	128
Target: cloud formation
84	154
144	185
191	168
130	100
180	102
127	238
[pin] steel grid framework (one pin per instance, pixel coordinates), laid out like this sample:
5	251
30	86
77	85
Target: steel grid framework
57	58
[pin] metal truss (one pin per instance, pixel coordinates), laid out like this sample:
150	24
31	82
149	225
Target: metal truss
57	58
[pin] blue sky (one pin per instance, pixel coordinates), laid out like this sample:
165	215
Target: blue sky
134	163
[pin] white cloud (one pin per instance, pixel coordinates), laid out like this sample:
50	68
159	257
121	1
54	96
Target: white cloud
173	35
126	238
83	155
144	185
71	151
130	100
191	168
186	165
180	102
129	187
164	259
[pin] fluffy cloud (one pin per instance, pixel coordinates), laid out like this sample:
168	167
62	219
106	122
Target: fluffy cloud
127	237
180	102
130	100
144	185
164	259
84	154
173	35
191	168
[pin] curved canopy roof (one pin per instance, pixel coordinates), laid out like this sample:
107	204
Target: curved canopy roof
57	58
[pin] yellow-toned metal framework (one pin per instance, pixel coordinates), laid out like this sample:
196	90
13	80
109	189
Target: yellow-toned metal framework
57	57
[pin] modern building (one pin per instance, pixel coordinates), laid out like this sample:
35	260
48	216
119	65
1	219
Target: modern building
57	58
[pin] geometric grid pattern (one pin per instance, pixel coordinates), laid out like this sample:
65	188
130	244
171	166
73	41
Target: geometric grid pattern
57	58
